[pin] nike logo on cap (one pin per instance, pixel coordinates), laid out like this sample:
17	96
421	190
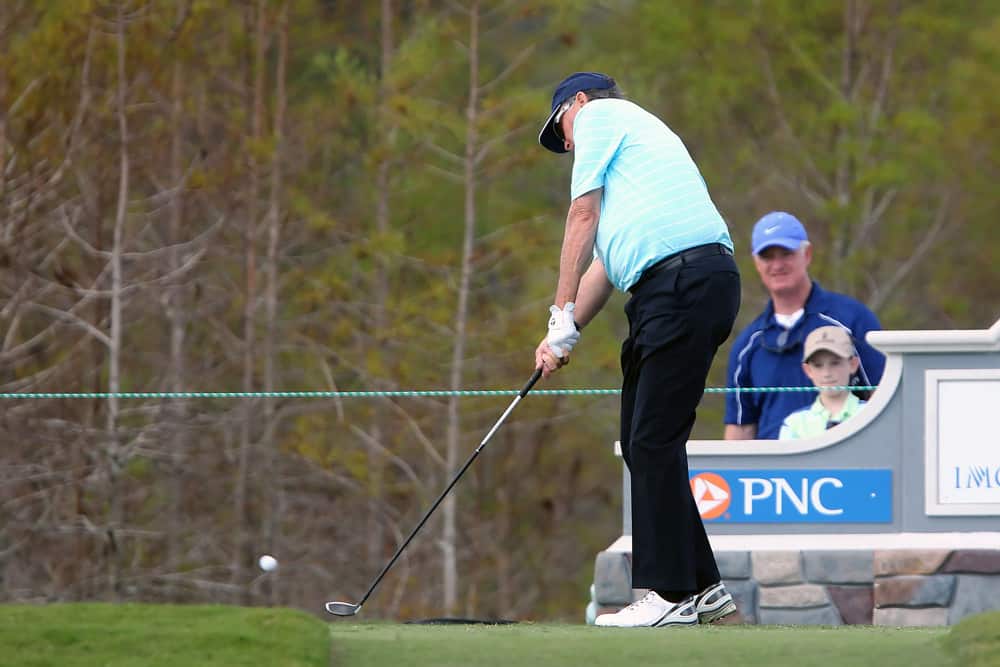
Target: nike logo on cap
772	229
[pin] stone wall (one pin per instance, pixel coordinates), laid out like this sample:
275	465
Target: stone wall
813	587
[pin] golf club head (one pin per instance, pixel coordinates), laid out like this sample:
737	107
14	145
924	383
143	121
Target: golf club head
343	608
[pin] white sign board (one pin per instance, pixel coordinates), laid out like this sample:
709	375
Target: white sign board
962	474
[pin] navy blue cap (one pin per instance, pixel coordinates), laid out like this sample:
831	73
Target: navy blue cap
570	86
777	228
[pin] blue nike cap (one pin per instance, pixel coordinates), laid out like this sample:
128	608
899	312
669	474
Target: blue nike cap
569	86
780	229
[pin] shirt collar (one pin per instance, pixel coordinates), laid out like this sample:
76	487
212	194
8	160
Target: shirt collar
850	406
816	294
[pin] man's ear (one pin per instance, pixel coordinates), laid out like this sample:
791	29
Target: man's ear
808	252
581	97
855	364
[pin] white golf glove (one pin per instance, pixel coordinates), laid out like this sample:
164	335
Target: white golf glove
563	333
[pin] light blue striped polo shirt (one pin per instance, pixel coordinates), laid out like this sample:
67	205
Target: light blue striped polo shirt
655	200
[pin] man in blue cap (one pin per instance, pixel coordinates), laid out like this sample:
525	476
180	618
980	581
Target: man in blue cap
641	220
768	352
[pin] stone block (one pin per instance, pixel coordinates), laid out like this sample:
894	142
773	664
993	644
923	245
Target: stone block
913	591
744	594
612	578
890	562
903	617
974	594
838	567
776	567
814	616
797	597
854	603
974	561
734	564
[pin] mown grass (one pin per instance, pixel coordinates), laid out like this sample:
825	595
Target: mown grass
86	635
374	645
130	635
976	640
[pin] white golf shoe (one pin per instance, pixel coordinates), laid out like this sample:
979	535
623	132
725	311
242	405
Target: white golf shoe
714	603
652	611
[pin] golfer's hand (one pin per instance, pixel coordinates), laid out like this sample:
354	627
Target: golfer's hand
563	334
547	360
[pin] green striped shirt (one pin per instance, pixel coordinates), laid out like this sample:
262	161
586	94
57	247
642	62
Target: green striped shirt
815	419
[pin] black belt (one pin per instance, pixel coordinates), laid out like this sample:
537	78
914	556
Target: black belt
679	259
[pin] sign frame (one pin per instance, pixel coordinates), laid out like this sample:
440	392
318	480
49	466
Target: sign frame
933	506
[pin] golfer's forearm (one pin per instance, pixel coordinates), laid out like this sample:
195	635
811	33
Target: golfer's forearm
578	245
595	289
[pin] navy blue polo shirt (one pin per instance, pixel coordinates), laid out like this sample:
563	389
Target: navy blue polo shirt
762	357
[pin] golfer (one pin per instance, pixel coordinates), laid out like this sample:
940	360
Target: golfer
641	220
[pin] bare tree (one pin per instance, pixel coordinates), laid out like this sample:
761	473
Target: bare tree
176	306
242	552
274	502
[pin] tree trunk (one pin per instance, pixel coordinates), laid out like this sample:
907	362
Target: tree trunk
242	554
177	320
376	462
273	494
116	456
449	532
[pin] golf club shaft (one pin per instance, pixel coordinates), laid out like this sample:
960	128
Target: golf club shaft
521	394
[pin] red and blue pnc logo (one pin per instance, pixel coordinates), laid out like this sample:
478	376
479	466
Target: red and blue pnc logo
793	496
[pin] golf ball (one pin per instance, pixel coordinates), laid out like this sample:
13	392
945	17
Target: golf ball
268	563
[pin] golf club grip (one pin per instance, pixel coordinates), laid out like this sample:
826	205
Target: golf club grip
531	383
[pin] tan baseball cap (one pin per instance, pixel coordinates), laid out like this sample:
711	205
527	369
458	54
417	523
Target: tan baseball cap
831	338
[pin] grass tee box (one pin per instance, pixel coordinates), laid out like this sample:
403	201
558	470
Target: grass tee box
92	635
973	643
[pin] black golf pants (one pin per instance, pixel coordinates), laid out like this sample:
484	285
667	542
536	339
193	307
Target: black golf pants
677	320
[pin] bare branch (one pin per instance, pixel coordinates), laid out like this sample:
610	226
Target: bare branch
428	446
885	288
72	318
458	7
487	146
378	446
444	153
778	107
16	104
872	216
515	62
450	175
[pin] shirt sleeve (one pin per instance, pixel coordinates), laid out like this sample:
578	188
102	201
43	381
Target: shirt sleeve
741	408
787	431
597	136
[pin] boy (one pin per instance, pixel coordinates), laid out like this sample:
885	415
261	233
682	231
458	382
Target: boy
829	360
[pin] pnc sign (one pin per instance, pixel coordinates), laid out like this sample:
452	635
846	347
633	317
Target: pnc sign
793	496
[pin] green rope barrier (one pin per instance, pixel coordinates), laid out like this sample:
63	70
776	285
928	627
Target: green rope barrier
377	394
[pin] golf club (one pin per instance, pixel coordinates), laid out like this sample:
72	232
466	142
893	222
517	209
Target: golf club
349	609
